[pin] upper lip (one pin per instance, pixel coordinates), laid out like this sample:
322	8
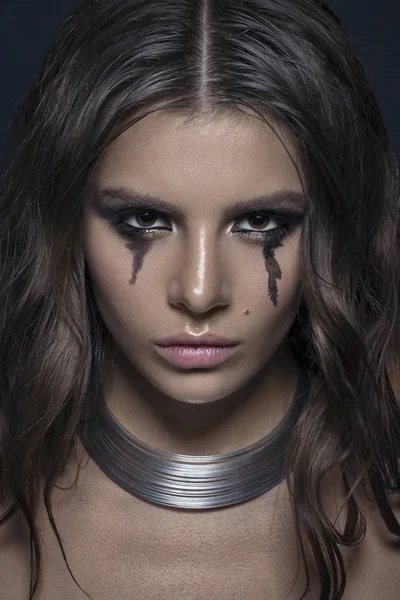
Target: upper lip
208	339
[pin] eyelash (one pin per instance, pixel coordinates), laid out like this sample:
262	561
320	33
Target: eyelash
287	223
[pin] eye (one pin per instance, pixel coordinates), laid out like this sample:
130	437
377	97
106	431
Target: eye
260	226
259	222
143	219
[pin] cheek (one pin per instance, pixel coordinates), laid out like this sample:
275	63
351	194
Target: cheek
127	313
139	250
110	268
276	283
273	303
110	258
132	312
284	265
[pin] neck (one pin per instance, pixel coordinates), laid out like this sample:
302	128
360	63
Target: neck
216	427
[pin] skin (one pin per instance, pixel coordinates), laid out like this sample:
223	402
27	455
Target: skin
197	277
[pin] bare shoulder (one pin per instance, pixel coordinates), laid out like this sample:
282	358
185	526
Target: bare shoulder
373	569
14	557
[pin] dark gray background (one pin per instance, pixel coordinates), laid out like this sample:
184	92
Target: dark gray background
27	28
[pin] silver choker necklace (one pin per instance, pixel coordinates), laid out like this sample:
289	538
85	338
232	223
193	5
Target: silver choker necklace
190	481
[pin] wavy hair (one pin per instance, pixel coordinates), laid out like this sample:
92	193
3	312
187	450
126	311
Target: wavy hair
113	60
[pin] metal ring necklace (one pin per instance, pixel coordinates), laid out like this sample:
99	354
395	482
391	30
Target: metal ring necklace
189	481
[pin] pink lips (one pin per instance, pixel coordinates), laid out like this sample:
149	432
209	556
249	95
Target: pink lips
196	352
196	356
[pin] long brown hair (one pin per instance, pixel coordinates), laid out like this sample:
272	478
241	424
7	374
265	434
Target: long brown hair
114	58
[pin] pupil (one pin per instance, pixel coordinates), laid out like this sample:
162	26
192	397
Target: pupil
259	221
147	218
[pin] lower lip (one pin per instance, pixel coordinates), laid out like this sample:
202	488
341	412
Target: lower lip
196	357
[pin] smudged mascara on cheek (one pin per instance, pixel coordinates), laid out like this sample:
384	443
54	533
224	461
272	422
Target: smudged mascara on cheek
274	272
140	244
271	264
141	239
271	241
139	249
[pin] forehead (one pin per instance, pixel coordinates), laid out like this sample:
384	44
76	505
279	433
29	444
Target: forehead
211	159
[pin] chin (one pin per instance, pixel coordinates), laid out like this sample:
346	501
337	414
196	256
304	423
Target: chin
198	400
200	392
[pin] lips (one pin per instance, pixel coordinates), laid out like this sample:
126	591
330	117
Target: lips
196	356
190	351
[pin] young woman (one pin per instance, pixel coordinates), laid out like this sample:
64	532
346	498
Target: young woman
199	301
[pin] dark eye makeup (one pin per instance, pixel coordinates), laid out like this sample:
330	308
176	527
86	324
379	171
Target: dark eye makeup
287	221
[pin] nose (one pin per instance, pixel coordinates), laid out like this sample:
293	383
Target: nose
199	282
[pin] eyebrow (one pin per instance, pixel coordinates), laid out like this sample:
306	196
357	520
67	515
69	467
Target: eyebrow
283	200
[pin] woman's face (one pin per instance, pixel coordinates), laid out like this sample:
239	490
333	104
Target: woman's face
202	258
